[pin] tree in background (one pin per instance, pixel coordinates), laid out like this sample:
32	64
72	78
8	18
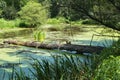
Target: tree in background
2	6
33	13
105	12
9	13
9	8
54	8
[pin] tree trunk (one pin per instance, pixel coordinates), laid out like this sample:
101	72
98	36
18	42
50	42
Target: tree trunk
70	47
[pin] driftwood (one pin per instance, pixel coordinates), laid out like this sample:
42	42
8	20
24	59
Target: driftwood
70	47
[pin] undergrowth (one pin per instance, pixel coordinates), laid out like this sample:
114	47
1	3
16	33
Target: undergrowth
9	23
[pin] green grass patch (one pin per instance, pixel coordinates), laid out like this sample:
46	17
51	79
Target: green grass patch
57	20
9	23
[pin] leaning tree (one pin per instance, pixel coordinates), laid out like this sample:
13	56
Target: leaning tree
106	12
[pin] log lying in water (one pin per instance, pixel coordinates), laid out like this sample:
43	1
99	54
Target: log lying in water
70	47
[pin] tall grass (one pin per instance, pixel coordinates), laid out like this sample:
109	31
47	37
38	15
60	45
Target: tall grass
60	68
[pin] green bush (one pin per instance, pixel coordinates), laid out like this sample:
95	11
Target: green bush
109	63
9	13
109	69
9	23
24	25
33	13
57	20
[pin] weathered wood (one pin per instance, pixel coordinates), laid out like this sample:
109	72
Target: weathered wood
70	47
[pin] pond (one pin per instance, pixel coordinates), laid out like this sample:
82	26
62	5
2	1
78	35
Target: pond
21	56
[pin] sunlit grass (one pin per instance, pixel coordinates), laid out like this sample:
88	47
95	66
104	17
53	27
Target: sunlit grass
9	23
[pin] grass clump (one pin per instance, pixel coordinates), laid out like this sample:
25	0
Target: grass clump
60	68
9	24
57	20
39	35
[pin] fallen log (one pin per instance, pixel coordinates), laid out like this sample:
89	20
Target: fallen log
70	47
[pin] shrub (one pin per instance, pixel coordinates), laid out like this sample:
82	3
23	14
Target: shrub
24	25
33	13
109	69
9	23
9	13
57	20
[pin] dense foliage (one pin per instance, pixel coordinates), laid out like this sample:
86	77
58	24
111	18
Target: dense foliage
105	12
33	14
109	69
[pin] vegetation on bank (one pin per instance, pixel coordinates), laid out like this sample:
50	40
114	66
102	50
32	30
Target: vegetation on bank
9	24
